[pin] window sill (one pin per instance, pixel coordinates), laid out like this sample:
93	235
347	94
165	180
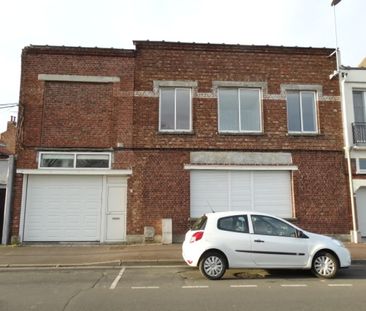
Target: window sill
241	133
175	133
304	134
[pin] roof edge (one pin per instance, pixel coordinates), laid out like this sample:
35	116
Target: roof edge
77	50
232	47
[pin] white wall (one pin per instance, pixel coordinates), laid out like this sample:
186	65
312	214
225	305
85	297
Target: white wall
353	79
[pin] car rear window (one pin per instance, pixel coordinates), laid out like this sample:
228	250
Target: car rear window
200	224
237	223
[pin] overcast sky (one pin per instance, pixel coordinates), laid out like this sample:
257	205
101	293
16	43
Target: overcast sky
116	23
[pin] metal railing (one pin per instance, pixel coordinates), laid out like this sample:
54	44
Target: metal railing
359	132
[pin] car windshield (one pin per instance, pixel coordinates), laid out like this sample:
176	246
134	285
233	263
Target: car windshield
200	223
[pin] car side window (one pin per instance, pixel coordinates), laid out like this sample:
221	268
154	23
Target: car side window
234	223
266	225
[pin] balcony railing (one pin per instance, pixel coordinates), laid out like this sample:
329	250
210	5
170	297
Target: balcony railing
359	132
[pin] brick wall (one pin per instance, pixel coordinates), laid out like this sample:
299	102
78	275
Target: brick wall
205	64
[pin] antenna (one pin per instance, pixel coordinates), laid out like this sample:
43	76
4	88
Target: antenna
209	205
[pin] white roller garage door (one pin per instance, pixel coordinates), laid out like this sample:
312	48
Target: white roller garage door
63	208
263	191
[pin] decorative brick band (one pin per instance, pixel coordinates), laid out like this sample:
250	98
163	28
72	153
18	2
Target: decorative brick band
77	78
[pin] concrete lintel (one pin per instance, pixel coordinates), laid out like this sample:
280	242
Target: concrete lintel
302	87
74	172
242	167
78	78
241	158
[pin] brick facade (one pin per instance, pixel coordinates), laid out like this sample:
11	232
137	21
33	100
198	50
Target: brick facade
123	117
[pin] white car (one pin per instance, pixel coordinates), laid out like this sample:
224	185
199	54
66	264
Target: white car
218	241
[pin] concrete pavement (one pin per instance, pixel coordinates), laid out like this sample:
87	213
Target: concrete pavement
109	255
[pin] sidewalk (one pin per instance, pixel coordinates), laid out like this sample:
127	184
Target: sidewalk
108	255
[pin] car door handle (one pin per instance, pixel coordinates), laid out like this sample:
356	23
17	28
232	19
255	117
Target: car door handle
259	241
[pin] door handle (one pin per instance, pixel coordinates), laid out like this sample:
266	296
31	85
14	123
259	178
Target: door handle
259	241
115	218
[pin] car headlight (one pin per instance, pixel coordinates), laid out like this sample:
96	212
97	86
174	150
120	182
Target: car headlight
338	243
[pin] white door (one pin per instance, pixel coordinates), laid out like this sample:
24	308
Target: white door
361	210
264	191
63	208
116	211
274	243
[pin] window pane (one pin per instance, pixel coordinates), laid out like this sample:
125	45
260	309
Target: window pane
57	160
362	164
250	110
308	112
92	160
358	105
167	109
228	110
293	112
271	226
233	223
183	107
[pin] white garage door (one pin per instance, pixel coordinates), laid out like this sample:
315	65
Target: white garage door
63	208
263	191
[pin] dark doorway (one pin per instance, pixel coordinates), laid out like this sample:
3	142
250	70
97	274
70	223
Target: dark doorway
2	207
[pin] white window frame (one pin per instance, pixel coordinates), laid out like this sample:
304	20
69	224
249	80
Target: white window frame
315	96
359	170
74	154
239	105
175	130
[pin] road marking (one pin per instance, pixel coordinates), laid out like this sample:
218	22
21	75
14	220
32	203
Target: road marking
195	286
145	287
340	285
244	286
118	277
293	285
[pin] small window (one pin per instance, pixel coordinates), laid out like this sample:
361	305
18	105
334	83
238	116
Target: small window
239	110
74	160
233	223
265	225
361	166
57	160
175	109
92	160
301	112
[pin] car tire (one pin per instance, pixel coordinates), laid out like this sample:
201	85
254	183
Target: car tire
213	265
325	265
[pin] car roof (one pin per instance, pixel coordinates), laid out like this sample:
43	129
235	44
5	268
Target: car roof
231	213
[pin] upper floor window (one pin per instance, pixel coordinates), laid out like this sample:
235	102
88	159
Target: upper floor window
359	106
239	110
301	112
74	160
361	166
175	109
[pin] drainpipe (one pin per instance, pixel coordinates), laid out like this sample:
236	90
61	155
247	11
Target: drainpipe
8	199
347	150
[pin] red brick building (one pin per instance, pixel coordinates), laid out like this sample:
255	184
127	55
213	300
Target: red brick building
113	141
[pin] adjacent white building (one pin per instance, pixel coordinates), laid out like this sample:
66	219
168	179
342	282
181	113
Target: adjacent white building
353	85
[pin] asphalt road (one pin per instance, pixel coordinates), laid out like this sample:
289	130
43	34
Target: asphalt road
179	288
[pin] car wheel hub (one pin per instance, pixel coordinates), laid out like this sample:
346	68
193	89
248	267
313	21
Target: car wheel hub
213	266
324	265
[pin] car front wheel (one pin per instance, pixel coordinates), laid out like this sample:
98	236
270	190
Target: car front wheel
325	265
213	265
